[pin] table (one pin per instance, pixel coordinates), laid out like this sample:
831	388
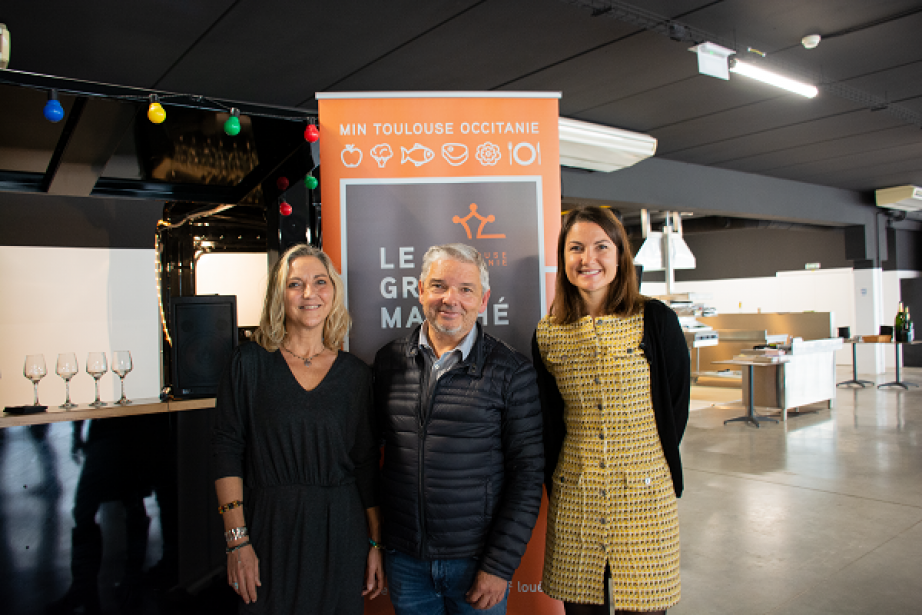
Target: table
855	379
751	416
899	362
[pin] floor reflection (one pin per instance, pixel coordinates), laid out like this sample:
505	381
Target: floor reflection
88	521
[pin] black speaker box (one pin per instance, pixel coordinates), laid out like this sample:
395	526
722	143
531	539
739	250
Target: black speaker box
204	332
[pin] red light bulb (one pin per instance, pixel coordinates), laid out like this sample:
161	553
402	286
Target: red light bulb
311	133
282	183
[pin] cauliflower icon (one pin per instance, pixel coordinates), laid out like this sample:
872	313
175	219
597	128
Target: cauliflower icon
382	152
488	154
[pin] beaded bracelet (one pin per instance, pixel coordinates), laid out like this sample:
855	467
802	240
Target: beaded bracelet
243	544
229	506
376	545
236	533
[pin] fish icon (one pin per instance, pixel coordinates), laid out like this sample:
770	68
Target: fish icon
454	153
418	154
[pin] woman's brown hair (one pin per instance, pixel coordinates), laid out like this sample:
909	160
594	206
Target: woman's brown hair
624	298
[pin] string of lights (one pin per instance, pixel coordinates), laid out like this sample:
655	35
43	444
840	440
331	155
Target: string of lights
55	86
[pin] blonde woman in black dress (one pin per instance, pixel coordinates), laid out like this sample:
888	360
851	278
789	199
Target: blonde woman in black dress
613	370
296	455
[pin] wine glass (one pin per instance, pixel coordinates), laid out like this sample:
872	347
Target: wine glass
67	368
96	367
121	365
34	370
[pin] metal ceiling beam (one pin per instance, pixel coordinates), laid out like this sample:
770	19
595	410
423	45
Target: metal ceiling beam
93	132
265	170
70	126
134	189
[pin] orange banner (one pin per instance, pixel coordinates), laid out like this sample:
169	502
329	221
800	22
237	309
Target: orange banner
403	171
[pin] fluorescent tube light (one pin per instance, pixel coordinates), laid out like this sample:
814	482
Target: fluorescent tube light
585	145
712	60
760	74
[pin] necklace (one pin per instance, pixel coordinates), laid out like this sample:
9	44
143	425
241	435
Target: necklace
307	360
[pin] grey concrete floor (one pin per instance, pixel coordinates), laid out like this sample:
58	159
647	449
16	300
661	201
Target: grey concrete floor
821	515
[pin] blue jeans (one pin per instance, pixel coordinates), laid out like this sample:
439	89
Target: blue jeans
437	587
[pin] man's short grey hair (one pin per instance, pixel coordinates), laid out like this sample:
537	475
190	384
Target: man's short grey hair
458	252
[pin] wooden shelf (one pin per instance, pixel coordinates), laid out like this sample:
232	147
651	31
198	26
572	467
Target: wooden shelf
84	412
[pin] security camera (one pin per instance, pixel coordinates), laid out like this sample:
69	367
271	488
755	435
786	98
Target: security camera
811	40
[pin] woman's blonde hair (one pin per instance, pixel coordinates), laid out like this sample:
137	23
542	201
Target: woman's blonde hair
271	331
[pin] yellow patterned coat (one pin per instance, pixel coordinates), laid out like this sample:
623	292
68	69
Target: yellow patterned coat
613	501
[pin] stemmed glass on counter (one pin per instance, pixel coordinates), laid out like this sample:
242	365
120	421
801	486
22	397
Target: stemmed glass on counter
96	367
121	365
67	368
34	370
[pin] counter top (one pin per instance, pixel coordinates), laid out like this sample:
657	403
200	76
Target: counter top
85	412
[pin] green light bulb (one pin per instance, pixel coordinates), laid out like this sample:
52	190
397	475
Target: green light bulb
232	126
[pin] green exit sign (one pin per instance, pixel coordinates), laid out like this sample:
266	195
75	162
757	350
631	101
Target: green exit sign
811	266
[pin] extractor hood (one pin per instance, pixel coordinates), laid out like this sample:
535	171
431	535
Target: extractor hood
904	198
650	254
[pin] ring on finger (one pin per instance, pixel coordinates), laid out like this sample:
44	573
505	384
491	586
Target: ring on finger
236	586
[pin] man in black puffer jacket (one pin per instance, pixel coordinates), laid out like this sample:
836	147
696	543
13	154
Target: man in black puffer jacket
463	454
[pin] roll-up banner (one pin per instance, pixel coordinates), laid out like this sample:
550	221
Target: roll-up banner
403	171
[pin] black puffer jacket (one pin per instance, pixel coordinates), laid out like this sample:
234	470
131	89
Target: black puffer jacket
465	480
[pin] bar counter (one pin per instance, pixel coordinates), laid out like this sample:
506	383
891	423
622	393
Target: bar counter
117	503
85	412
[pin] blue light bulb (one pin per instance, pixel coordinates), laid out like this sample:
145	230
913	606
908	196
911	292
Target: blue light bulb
53	111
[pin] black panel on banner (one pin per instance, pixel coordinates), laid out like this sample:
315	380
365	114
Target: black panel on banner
204	332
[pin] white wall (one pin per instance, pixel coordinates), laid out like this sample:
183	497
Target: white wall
823	290
235	273
77	300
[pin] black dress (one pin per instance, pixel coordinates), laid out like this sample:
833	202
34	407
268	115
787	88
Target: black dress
309	462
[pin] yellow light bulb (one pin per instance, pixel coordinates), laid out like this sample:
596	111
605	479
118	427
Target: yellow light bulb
156	113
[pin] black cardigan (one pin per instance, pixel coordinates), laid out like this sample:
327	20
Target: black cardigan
665	347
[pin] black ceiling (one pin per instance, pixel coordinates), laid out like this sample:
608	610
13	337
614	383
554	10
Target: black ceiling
615	65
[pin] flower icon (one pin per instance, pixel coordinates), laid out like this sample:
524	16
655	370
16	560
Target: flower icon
488	154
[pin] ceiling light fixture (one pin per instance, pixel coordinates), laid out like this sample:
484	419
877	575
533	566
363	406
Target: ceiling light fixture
585	145
53	110
155	112
232	125
904	198
779	81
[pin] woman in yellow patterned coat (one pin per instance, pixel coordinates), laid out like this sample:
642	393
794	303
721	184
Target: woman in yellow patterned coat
613	369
